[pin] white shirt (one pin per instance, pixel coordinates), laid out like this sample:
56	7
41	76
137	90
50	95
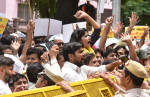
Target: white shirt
71	73
53	71
134	92
31	85
18	65
4	88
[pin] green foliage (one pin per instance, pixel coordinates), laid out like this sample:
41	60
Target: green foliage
123	2
44	8
141	8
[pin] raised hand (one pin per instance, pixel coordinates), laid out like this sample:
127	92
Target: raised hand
145	32
15	45
53	52
80	14
133	19
30	27
118	28
44	57
109	20
125	37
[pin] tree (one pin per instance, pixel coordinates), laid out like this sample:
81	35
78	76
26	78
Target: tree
44	8
59	9
141	8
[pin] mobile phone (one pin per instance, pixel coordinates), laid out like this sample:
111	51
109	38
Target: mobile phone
124	58
49	44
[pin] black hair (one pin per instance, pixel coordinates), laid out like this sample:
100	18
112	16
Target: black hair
6	61
7	39
47	38
3	47
34	50
108	62
88	57
49	81
20	49
77	35
119	47
18	76
135	80
108	51
70	48
110	46
44	48
98	51
60	53
33	70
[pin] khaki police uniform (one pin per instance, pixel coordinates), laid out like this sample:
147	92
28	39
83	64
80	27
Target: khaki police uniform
139	71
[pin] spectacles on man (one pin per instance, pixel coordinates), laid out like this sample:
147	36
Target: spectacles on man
59	44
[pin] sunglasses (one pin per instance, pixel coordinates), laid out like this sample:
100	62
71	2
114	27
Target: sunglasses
59	44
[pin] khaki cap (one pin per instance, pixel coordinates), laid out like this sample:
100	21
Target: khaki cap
54	77
136	68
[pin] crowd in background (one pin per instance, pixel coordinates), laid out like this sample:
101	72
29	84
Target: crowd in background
28	62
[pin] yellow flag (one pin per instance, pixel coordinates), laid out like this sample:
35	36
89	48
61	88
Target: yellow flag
3	22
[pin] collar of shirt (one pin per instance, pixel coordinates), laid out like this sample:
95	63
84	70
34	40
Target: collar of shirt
3	83
133	90
73	66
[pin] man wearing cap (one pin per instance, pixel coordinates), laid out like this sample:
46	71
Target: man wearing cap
57	39
132	78
43	80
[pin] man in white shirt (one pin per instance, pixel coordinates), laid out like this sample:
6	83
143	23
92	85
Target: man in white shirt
73	69
6	72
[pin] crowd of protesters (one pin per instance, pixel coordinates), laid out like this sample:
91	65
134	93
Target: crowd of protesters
28	63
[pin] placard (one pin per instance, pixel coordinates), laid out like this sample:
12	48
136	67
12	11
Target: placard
138	31
3	23
68	30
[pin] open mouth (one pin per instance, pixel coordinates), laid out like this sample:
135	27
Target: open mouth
89	42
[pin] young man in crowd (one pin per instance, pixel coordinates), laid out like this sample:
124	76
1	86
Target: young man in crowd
43	80
33	69
73	69
132	78
17	81
33	55
99	55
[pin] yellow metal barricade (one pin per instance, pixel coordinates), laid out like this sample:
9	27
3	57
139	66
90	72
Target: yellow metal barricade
89	88
78	93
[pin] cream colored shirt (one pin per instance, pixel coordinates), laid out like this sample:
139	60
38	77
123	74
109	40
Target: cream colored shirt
71	72
4	88
135	92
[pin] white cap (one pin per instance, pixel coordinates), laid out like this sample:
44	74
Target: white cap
14	34
111	41
56	37
20	34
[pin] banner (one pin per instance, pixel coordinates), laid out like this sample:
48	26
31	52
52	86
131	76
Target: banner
3	22
138	31
68	30
46	26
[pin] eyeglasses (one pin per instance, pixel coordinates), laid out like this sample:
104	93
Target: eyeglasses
59	44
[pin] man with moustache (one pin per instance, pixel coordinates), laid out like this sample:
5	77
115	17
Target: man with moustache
6	72
73	69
